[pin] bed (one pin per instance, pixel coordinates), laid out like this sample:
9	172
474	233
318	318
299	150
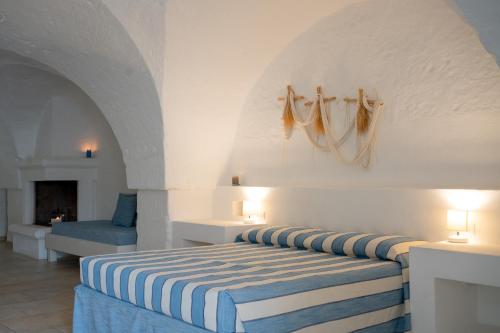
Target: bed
273	279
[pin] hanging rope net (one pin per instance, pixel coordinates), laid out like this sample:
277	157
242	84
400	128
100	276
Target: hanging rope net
319	126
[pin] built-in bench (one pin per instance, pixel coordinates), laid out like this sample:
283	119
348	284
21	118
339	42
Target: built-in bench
87	238
82	238
29	239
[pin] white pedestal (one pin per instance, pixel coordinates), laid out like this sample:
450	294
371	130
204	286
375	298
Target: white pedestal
455	288
29	239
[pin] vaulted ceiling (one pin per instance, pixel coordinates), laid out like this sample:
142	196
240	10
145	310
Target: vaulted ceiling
86	42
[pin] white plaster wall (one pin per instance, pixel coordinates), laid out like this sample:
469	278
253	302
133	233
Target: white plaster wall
49	117
419	213
153	227
421	70
439	85
144	22
190	204
25	99
156	210
3	213
9	177
14	211
488	305
215	52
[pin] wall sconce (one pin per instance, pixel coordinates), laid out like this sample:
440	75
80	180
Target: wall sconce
458	221
88	148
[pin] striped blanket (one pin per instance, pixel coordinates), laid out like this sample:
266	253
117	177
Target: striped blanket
275	279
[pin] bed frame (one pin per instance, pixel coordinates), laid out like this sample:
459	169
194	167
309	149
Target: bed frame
58	245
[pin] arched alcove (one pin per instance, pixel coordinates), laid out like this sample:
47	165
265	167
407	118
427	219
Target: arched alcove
84	42
45	118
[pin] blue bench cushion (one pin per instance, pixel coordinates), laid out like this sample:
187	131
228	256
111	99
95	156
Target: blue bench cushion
97	231
126	210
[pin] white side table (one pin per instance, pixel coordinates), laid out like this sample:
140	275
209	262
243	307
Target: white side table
207	232
455	288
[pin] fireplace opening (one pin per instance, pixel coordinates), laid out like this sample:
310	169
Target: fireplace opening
55	201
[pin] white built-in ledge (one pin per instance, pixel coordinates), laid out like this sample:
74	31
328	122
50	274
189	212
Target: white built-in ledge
29	239
204	232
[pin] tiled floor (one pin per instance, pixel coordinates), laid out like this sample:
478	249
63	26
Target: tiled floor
35	296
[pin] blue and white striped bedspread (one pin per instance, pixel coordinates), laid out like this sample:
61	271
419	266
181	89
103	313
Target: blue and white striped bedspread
250	286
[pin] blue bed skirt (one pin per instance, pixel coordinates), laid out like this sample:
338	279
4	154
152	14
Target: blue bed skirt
97	313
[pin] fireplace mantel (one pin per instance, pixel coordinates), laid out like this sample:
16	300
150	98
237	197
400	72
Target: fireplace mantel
60	162
83	170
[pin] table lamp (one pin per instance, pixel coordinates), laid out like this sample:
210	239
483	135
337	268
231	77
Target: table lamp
252	210
458	222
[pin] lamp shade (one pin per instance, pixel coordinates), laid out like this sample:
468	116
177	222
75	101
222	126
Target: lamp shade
457	220
252	208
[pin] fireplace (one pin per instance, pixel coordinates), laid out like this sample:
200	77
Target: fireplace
55	201
82	172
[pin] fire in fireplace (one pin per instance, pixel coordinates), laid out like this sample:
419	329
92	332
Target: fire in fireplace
55	201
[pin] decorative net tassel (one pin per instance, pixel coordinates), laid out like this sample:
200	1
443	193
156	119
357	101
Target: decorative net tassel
318	124
319	128
288	118
362	116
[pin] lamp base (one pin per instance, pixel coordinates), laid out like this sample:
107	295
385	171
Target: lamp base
458	238
249	221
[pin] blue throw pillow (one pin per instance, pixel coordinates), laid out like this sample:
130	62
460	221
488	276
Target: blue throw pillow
126	210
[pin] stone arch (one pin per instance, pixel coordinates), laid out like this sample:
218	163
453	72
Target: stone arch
84	42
